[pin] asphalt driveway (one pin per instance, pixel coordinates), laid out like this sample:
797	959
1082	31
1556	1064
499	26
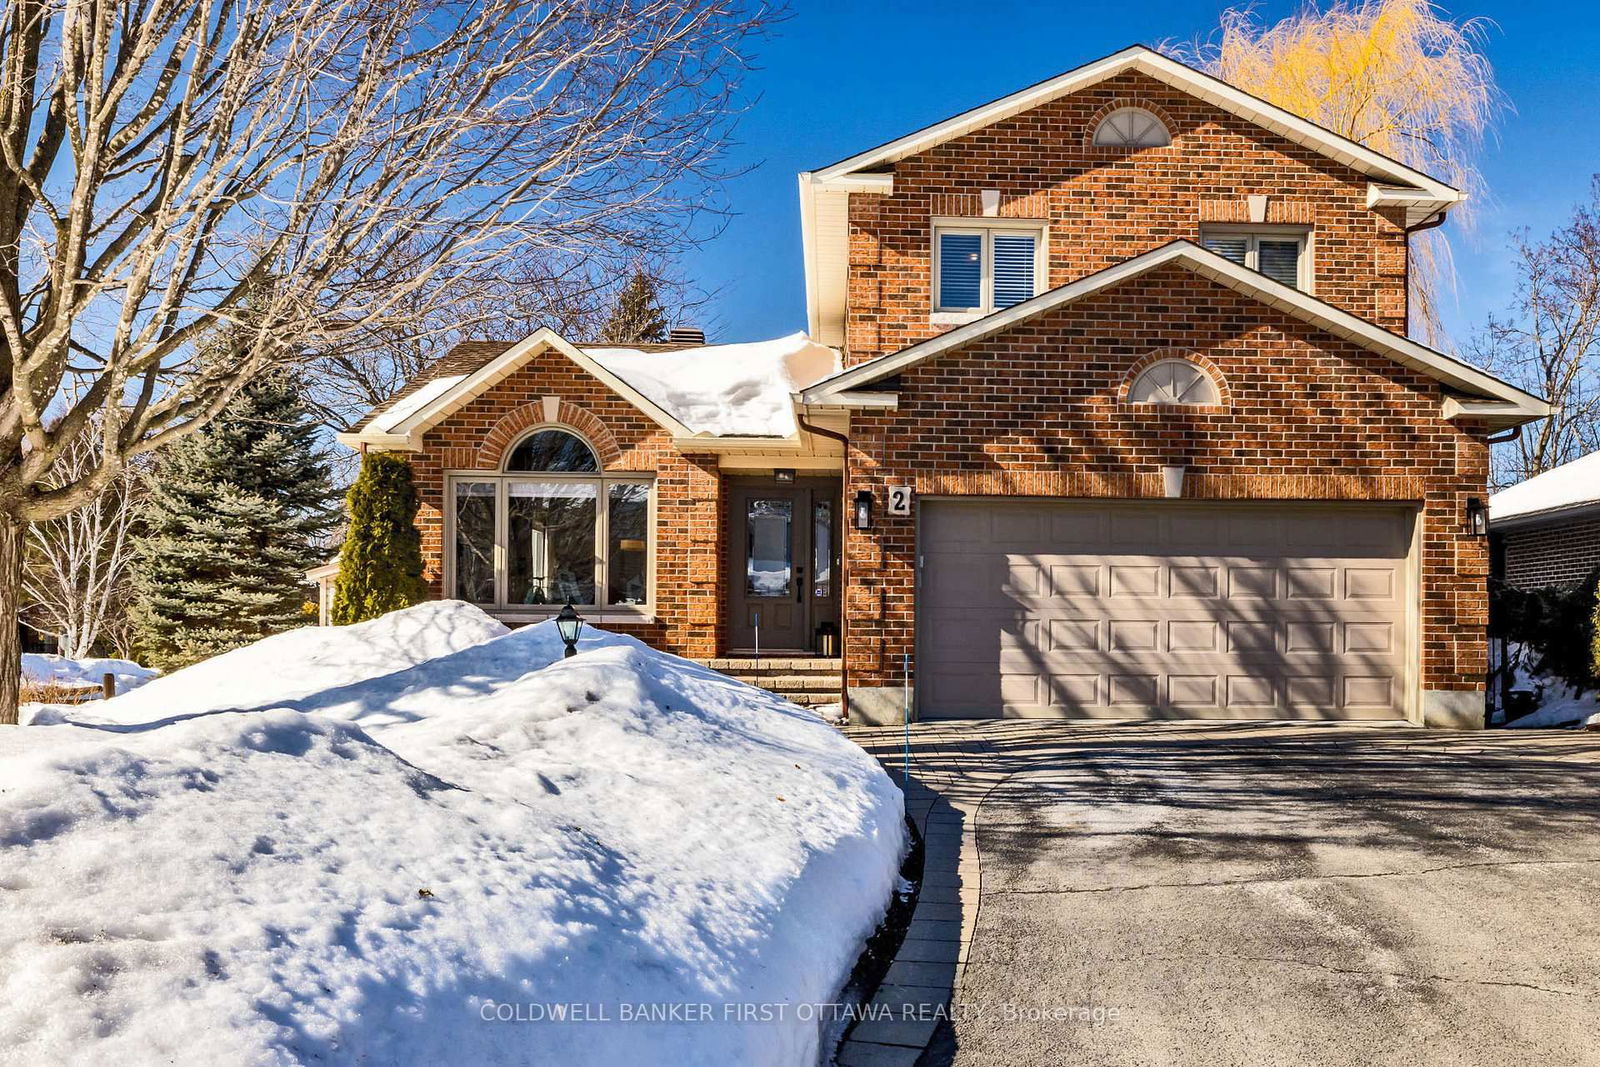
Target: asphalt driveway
1289	895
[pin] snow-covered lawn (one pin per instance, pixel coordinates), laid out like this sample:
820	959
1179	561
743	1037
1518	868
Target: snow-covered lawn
416	838
45	670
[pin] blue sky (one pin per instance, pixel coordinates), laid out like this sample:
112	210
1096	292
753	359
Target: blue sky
839	77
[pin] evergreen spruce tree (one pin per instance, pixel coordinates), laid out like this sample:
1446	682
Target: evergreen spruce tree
380	565
235	515
638	317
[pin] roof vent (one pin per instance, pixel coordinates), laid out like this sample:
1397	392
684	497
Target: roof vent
686	335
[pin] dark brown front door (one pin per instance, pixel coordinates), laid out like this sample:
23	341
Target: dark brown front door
782	546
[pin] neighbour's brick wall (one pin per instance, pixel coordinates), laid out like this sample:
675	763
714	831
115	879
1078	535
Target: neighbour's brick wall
1553	553
1036	411
1105	205
688	489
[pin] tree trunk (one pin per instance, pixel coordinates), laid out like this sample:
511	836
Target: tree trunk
13	534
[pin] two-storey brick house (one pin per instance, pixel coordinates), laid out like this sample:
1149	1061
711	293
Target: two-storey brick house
1106	410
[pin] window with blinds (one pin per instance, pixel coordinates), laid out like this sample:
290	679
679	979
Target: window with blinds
1278	255
985	268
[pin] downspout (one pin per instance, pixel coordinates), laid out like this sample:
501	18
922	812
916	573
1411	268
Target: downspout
1432	222
844	554
1510	435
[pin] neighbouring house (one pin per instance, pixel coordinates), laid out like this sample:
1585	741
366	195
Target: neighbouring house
322	580
1105	409
1546	531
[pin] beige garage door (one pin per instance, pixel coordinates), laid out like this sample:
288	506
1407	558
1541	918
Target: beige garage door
1044	608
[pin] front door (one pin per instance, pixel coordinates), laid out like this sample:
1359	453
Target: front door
781	581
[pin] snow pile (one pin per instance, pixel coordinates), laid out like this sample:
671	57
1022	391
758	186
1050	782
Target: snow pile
39	669
1569	485
739	390
282	669
1559	703
434	840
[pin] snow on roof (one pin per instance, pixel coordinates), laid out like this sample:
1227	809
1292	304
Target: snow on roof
738	390
1567	486
401	409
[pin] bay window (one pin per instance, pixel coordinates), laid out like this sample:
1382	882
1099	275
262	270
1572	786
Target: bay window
552	528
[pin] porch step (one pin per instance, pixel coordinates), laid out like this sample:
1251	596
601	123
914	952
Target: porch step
805	680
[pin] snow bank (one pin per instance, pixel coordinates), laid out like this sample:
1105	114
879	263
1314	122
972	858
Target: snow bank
426	843
726	390
39	669
289	666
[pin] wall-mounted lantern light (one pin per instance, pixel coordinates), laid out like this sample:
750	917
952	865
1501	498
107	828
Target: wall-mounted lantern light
863	509
783	477
1477	517
569	624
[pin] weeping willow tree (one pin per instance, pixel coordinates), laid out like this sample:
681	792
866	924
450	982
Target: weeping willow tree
1398	76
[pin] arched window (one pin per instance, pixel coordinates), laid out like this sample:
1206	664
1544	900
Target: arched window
552	528
1174	381
1132	127
555	451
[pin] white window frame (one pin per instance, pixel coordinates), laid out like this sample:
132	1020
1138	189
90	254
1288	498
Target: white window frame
603	480
986	229
1255	234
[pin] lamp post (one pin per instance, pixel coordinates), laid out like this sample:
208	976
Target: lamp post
569	624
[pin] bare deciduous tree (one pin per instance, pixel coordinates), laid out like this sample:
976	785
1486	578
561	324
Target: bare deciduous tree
306	173
76	578
1549	343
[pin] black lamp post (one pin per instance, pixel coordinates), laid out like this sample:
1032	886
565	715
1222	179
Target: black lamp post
569	624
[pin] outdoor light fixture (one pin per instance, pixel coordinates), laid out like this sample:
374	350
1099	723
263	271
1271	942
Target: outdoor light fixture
569	624
863	509
783	477
1477	516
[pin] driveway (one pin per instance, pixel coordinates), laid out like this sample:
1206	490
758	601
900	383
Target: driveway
1242	894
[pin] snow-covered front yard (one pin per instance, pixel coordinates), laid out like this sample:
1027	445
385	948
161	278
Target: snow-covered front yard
413	840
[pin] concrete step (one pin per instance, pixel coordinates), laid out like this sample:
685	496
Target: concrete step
802	682
775	664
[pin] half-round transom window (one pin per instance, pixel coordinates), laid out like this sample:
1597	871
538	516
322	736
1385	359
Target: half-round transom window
1132	127
553	451
1173	381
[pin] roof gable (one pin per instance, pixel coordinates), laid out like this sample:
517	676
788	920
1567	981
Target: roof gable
1180	76
1496	402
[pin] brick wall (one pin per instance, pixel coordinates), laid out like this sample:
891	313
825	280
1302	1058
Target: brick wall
1105	205
1553	553
688	574
1036	411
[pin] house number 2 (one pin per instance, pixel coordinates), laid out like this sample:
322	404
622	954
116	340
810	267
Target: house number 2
899	500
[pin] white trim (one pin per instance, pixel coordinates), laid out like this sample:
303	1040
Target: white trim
407	434
1302	306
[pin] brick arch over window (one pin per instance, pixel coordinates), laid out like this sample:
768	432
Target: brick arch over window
1150	359
518	421
1118	104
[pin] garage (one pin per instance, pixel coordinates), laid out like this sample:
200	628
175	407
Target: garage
1158	609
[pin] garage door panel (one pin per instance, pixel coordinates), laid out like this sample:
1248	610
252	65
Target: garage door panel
1162	610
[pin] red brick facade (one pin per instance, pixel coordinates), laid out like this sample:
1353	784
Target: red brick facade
1106	205
1037	411
1552	552
688	543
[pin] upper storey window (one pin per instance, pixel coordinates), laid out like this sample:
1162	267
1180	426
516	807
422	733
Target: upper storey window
982	268
1280	255
1131	127
1175	382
